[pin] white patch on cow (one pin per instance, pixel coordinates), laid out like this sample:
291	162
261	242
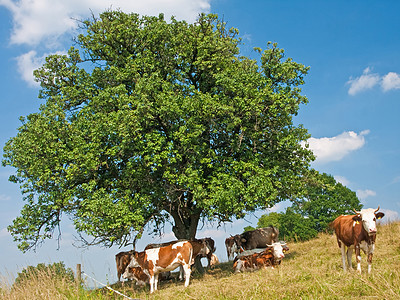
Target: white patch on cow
178	244
133	263
153	255
364	246
239	266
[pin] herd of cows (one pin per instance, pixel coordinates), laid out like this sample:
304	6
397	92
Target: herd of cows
249	251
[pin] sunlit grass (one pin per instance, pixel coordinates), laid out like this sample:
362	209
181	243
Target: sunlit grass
311	270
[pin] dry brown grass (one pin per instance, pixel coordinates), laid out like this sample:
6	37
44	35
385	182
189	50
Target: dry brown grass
312	270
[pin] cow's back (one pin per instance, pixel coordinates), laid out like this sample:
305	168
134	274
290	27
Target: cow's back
345	228
170	257
259	238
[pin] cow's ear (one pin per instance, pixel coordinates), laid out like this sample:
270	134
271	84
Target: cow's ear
379	215
357	218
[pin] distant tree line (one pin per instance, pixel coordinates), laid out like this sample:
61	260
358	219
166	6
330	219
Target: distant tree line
324	200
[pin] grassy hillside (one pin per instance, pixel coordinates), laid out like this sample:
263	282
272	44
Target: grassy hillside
311	270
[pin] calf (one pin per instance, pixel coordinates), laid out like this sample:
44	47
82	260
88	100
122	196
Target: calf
271	256
358	231
156	260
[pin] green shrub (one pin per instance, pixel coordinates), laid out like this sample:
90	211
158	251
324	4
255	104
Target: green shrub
56	269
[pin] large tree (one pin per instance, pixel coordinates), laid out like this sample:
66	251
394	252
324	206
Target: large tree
146	121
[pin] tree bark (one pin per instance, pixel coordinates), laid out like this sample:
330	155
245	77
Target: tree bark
185	228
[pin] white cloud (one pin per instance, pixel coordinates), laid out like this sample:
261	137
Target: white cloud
364	82
30	61
343	180
328	149
368	80
38	21
390	81
363	194
26	63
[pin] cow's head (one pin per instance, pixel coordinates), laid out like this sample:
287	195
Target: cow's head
135	273
368	218
231	247
205	249
277	250
133	264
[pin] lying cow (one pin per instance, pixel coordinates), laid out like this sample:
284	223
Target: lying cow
271	256
285	248
258	238
357	231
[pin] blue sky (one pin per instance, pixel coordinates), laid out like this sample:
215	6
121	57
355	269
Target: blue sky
353	87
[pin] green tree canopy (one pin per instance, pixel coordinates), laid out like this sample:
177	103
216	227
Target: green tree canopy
147	121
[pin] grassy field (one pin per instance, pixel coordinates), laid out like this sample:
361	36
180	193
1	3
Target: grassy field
311	270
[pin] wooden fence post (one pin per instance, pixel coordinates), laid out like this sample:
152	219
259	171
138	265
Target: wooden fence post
78	277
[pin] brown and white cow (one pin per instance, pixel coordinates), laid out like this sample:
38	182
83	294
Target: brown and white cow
231	247
271	256
122	260
156	260
357	231
201	247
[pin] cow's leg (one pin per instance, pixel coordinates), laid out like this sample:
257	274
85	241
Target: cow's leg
156	281
349	254
151	283
187	270
343	251
358	257
180	273
370	254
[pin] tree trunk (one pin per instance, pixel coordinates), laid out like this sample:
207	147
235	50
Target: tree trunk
185	228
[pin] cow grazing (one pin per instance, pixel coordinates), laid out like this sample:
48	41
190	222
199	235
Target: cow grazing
156	260
122	260
271	256
357	231
258	238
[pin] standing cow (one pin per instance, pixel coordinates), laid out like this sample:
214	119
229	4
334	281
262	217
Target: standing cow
122	260
162	259
358	231
258	238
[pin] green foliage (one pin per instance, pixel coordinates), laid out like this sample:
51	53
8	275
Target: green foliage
55	270
149	119
248	228
324	200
